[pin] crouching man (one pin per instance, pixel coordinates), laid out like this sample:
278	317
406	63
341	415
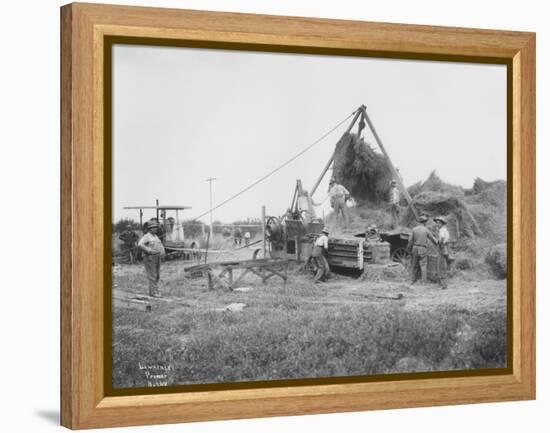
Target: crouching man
318	255
153	250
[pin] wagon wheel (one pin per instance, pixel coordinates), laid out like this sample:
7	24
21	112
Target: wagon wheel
402	255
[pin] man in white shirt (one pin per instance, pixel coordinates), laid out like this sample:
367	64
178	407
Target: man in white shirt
153	249
339	195
394	201
318	255
443	239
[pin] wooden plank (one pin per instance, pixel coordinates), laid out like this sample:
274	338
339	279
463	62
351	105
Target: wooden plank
256	272
134	304
240	277
214	279
279	273
235	264
230	277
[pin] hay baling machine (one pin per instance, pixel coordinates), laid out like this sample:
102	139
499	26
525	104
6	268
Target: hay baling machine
292	235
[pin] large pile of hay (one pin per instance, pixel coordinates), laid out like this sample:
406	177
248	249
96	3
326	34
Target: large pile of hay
481	185
496	259
362	170
488	206
435	197
435	184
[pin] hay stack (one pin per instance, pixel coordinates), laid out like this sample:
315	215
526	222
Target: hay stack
481	185
496	259
488	206
435	183
435	197
362	170
432	204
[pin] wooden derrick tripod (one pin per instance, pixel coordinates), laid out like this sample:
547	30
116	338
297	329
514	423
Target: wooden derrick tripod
363	117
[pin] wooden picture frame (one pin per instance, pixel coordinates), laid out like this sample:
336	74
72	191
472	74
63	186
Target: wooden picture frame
84	30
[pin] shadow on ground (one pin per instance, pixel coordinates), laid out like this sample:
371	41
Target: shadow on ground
50	415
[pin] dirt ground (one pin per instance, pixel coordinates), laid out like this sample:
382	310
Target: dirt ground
184	292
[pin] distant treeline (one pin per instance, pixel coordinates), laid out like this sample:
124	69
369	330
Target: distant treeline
193	228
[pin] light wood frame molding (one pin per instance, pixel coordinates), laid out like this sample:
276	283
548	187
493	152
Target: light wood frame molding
83	29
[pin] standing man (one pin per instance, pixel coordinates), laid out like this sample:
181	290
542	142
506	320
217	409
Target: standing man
247	238
129	239
418	245
394	202
318	255
153	250
444	261
238	236
339	195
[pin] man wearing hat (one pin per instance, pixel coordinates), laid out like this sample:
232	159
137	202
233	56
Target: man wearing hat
320	250
394	202
153	249
372	234
418	245
161	231
443	239
129	239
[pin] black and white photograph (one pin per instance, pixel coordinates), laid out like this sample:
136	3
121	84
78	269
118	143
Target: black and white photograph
281	216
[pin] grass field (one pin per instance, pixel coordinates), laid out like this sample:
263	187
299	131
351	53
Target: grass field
299	329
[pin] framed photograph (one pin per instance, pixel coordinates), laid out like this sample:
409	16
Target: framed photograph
266	216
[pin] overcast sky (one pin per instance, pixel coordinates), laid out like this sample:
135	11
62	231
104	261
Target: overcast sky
182	115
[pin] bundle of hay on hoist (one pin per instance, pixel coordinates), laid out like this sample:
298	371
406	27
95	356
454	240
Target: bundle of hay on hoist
361	169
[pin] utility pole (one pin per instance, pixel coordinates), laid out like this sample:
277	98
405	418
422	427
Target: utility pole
210	180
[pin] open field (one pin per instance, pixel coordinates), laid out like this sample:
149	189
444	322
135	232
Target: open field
346	326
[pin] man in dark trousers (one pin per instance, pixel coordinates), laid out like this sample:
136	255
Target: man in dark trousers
318	255
153	250
418	246
237	236
129	239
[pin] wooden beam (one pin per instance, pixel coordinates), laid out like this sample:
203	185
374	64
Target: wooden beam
135	304
390	163
331	159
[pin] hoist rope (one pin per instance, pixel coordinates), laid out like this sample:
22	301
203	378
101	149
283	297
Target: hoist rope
252	185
